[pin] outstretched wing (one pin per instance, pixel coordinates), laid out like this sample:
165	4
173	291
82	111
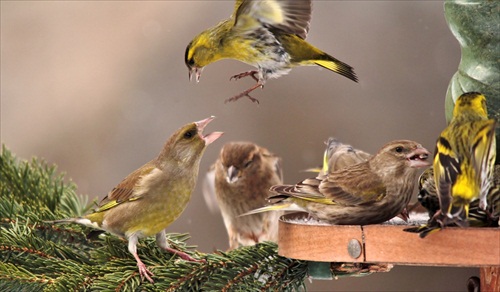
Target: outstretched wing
290	16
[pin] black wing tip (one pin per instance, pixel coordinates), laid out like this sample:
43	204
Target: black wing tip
347	71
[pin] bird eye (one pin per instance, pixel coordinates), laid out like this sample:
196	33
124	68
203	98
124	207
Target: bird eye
247	164
399	149
189	134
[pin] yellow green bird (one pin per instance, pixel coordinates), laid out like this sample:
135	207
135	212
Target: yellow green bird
269	35
152	197
464	160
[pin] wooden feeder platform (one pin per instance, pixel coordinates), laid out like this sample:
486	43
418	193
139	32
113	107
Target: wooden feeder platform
383	243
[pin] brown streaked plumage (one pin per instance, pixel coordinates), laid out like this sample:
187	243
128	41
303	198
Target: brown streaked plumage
370	192
243	174
339	155
149	199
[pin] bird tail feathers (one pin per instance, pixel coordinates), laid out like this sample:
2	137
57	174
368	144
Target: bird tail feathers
337	66
286	206
78	220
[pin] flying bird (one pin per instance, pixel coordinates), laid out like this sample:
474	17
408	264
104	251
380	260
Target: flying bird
269	35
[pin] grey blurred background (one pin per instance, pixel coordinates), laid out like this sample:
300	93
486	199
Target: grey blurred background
97	87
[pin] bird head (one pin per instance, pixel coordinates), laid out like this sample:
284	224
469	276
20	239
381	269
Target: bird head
206	48
188	143
199	53
398	157
471	102
238	158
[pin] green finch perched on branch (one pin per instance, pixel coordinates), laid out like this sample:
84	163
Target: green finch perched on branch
240	181
269	35
369	192
149	199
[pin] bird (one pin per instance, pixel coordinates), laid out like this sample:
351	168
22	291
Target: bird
269	35
338	155
464	159
150	198
428	198
240	180
369	192
463	169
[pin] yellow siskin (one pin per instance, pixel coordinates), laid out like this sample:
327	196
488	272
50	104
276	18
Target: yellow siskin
370	192
152	197
269	35
464	160
242	176
428	198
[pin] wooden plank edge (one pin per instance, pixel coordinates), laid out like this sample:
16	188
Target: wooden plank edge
457	247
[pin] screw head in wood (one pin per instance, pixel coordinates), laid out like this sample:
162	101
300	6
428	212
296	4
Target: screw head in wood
354	248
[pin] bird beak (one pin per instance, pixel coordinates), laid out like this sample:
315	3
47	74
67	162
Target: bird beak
209	138
196	71
418	157
232	174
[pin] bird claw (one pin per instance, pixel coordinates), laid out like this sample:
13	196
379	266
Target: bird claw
236	97
246	93
245	74
183	255
145	273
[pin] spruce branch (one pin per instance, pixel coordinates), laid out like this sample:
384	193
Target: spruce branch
40	256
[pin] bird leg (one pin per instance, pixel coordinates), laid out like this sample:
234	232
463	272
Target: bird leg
143	270
246	93
161	240
245	74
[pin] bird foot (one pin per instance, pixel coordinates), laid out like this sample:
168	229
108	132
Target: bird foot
236	97
144	272
183	255
246	93
245	74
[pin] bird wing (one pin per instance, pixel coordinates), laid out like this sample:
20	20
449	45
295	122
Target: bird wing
276	162
305	190
483	151
124	191
208	189
446	170
340	155
354	185
290	16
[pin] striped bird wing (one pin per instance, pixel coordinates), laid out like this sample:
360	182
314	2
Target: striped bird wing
305	190
290	16
483	152
446	170
353	185
124	191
